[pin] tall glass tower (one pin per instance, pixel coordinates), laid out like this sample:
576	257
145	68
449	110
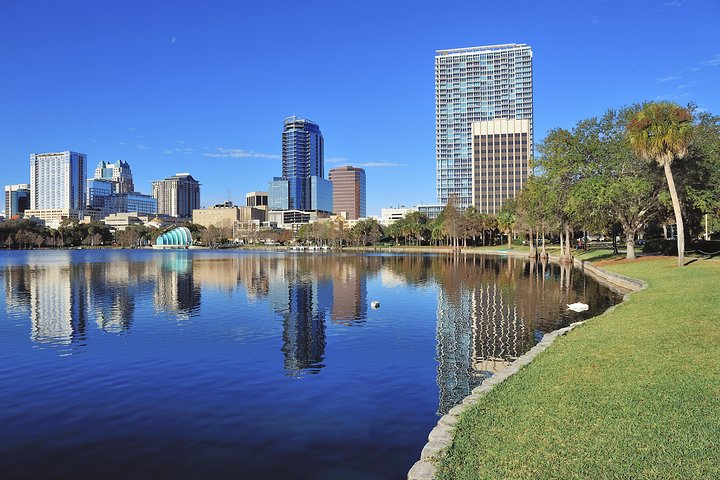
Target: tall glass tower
302	158
57	180
474	85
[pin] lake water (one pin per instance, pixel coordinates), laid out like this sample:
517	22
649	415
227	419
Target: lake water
227	364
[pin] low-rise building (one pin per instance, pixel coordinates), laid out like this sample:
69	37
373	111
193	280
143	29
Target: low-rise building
225	215
390	215
122	220
52	217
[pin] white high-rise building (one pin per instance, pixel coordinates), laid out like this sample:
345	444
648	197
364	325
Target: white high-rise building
57	181
474	85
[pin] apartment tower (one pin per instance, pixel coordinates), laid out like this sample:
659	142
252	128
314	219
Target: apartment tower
302	185
57	181
348	188
477	84
177	196
17	199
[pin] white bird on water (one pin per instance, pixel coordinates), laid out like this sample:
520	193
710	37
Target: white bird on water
375	304
577	306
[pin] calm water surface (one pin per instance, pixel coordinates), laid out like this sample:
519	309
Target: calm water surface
119	364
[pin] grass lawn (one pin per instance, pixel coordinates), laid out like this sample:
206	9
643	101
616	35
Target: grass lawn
634	393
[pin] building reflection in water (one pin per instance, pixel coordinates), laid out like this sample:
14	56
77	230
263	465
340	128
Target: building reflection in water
175	289
490	312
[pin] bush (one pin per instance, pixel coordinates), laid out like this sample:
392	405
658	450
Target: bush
669	247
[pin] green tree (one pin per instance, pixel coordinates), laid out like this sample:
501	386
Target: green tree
506	219
661	131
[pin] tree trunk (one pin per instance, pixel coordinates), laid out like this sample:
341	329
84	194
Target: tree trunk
532	245
509	235
678	214
562	244
630	242
665	232
567	242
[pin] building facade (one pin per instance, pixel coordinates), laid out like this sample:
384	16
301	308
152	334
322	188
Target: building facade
279	194
474	85
130	202
225	216
97	190
256	199
501	162
321	195
119	173
348	191
177	196
57	181
17	199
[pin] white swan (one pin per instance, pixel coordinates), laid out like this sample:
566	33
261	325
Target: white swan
577	306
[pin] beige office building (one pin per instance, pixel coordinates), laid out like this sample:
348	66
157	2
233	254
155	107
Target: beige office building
500	161
225	216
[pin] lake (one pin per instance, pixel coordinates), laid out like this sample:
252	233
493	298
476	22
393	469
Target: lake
237	364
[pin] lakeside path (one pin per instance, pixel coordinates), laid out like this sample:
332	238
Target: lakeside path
633	393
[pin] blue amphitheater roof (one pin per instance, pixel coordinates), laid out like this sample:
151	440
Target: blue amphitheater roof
179	236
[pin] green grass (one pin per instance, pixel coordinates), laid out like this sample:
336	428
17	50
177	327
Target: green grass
632	394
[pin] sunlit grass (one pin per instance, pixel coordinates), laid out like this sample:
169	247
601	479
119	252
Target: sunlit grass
634	393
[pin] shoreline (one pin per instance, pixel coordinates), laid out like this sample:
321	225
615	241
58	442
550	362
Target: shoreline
441	436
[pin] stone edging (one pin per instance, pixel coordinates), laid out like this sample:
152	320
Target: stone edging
441	436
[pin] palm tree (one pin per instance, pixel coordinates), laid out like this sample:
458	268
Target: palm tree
661	131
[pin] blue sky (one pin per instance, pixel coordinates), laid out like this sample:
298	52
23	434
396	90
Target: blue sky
203	87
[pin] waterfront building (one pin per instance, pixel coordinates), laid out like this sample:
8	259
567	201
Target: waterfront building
177	196
476	84
391	215
179	237
501	161
57	181
122	220
17	199
52	217
256	199
348	191
294	219
118	173
226	215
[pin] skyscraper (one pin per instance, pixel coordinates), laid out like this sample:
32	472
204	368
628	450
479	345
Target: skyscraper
177	196
17	199
119	173
57	181
348	186
474	85
303	168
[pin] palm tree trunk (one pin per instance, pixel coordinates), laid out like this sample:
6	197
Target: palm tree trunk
678	214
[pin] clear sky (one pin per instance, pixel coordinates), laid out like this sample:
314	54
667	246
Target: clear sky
203	86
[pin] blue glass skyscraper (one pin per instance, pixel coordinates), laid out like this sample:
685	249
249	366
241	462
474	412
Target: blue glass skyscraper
302	158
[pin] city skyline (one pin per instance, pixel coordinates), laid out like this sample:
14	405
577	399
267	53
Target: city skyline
181	114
